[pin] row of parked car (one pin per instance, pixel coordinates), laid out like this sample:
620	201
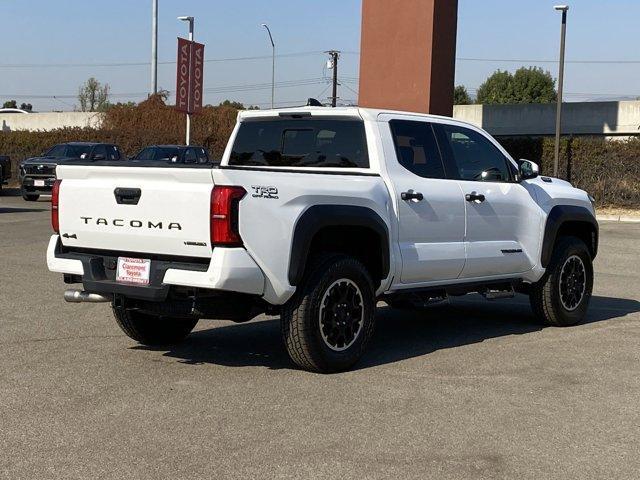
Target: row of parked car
38	174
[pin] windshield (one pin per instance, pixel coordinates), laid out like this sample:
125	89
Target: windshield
73	151
166	153
158	153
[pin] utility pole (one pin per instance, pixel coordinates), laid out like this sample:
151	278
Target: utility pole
335	55
154	47
563	31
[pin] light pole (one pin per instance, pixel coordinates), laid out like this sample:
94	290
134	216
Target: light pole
273	65
190	20
154	46
563	31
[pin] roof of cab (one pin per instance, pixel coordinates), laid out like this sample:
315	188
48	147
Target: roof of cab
364	113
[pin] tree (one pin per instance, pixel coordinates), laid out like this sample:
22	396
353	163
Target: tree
461	96
93	96
26	106
10	104
526	85
237	105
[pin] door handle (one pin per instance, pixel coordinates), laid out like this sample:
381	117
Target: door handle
411	195
473	197
127	196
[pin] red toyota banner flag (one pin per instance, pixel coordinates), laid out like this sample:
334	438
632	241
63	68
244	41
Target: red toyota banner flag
196	77
182	85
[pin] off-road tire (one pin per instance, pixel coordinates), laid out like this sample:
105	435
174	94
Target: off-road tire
301	330
29	197
151	329
545	294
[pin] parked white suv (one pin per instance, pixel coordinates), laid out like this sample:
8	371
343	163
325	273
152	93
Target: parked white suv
316	214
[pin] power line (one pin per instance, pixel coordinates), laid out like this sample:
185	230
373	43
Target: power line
166	62
220	89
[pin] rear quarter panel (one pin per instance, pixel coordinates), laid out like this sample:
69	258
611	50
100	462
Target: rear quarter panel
267	223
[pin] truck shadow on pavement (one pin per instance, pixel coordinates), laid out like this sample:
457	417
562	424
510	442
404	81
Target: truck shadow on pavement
20	210
399	335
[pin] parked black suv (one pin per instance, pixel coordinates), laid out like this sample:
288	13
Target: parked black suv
37	174
5	170
174	154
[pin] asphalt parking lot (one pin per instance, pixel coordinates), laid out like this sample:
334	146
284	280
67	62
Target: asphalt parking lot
472	389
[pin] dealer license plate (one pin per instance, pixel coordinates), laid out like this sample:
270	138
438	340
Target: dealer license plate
133	270
38	183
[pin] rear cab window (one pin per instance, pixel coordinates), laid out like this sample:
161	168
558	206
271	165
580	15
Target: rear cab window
306	142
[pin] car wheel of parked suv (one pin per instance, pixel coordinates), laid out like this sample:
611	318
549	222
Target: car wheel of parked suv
327	325
29	197
152	329
561	297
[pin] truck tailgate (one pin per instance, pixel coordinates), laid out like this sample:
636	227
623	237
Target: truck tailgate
98	209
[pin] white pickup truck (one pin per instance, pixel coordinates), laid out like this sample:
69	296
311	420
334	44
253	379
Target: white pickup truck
316	214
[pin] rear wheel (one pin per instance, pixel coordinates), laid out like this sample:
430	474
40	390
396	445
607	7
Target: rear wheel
561	297
151	329
329	322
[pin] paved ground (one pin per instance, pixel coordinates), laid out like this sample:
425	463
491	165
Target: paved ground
468	390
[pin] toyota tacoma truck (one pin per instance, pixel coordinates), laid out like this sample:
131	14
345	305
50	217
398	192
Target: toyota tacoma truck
316	214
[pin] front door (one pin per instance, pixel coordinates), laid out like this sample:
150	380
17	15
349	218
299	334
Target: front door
502	217
431	210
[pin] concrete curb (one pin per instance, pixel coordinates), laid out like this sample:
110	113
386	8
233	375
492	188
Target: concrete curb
618	218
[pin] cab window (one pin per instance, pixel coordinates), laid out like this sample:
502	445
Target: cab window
475	158
416	148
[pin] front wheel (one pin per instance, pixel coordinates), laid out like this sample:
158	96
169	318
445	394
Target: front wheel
327	325
561	297
151	329
30	197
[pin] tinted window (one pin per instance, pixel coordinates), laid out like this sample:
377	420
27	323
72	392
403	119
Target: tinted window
57	151
100	151
145	154
416	148
202	155
301	143
113	153
167	153
78	151
190	156
475	157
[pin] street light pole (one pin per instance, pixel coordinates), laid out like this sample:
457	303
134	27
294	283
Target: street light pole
273	65
191	22
154	46
563	31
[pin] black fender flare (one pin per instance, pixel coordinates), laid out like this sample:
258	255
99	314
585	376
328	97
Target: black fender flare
318	217
559	215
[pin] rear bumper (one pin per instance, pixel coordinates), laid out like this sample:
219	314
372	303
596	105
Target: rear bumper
230	269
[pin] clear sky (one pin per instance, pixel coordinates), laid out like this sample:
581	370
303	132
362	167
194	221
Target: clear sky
42	40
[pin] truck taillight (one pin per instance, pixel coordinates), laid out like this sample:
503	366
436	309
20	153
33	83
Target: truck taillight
224	215
55	202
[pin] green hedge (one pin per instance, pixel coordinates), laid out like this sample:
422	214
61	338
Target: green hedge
607	169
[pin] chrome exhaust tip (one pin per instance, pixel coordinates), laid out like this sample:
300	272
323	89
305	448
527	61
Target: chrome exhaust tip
79	296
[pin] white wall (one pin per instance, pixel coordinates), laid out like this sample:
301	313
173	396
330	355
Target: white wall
584	118
48	121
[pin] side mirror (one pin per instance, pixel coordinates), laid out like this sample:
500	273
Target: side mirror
528	169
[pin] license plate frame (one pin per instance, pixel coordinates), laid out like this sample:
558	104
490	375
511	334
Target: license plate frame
136	271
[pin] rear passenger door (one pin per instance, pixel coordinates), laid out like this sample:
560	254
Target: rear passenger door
502	219
431	212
